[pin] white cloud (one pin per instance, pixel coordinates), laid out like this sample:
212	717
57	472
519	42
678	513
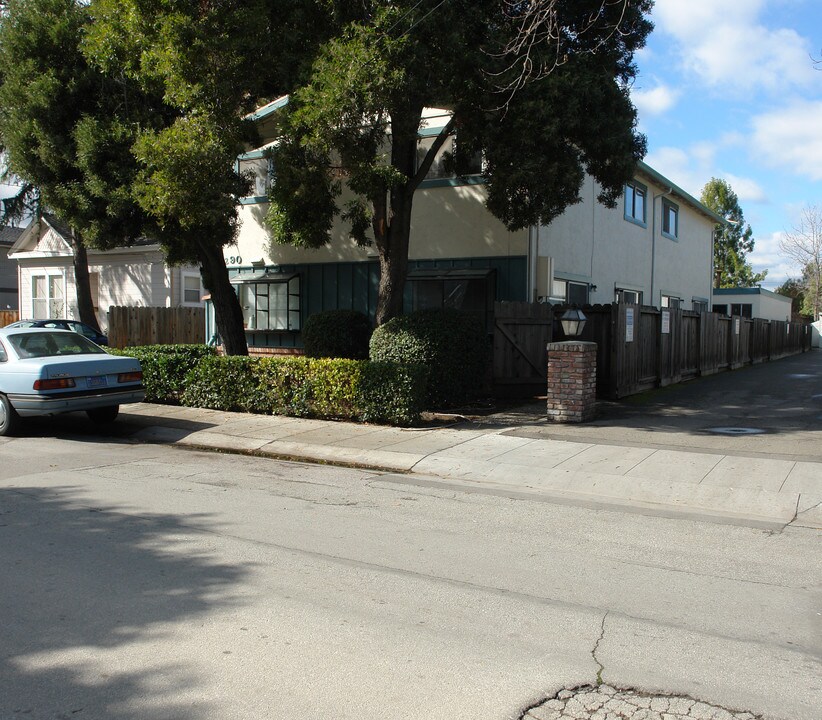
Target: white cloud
655	101
689	169
767	256
791	138
726	45
746	189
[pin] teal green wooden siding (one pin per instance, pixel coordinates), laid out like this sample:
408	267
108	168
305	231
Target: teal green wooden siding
354	286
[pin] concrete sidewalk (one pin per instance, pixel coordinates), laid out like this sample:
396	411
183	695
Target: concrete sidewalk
519	456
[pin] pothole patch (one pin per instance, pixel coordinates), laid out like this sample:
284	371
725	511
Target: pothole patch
736	431
603	702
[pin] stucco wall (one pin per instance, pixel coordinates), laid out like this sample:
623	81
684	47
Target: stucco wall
592	243
446	222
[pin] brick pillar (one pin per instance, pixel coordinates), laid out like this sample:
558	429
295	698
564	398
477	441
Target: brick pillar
572	381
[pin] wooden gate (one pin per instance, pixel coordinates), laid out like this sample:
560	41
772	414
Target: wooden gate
521	332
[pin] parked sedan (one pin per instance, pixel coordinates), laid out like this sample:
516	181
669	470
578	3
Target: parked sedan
61	324
45	372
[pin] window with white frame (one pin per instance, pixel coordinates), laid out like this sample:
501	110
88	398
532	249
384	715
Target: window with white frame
441	168
671	301
192	289
699	305
48	297
670	219
573	293
628	297
635	196
270	301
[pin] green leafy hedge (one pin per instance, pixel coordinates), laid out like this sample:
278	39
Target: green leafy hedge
165	368
309	387
337	334
452	345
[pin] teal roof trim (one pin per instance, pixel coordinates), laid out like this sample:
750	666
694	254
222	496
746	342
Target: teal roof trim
660	179
268	109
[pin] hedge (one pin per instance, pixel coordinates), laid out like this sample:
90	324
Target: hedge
309	387
337	334
452	345
165	368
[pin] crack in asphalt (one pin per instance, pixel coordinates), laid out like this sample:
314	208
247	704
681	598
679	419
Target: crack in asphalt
596	647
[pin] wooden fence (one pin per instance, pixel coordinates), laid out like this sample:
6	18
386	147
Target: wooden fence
130	326
8	316
638	348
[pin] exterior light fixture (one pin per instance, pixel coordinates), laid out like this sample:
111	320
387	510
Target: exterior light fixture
573	322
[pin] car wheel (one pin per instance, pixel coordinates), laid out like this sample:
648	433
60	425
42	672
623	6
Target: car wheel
9	419
103	415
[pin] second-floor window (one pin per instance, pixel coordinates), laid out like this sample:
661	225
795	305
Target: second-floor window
440	167
628	297
635	196
670	219
260	171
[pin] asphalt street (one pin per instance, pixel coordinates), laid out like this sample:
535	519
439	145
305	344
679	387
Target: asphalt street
153	582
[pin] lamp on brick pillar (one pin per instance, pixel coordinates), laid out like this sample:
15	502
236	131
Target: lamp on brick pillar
573	322
572	373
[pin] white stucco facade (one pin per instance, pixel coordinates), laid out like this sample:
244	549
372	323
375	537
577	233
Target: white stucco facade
606	250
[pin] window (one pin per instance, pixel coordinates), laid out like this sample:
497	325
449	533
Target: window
442	167
671	301
699	305
192	290
635	194
47	297
3	356
721	309
467	289
628	297
260	171
270	301
573	293
742	310
670	219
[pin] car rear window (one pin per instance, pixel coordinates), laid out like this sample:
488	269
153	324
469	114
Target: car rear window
50	344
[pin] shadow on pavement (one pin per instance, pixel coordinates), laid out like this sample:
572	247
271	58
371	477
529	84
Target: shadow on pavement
77	582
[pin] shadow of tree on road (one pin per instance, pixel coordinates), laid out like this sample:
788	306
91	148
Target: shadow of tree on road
90	601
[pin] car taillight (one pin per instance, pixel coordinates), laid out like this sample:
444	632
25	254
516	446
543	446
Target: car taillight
136	376
56	384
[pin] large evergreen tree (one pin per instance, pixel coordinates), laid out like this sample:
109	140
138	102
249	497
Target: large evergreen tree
733	241
360	110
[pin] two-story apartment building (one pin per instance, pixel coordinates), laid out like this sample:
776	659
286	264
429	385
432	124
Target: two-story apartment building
654	248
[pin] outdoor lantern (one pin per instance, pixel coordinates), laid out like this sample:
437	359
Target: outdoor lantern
573	322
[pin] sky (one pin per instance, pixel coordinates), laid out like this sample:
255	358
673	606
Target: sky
729	89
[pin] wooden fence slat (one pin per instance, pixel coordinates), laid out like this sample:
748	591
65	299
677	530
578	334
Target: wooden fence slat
132	326
7	317
695	344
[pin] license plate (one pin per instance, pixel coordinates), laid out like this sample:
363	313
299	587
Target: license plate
96	382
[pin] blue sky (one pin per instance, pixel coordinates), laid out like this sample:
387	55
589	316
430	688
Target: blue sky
729	89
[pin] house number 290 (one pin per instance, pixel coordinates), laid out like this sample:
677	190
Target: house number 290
234	260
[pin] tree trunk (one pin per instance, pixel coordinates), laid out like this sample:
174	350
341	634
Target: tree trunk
392	220
227	311
82	283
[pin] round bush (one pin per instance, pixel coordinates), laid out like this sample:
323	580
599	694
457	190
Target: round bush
452	345
337	334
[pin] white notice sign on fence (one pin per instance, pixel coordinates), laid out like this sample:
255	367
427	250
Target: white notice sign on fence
737	323
629	324
666	322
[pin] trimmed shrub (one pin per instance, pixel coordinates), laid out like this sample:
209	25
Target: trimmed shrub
337	334
165	368
308	387
224	383
453	347
392	393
